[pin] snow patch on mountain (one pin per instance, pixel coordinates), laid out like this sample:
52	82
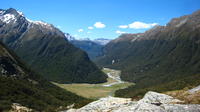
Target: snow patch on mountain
43	24
11	17
20	13
181	22
2	12
101	41
7	18
134	39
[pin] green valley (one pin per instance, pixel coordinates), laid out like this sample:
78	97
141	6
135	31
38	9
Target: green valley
96	91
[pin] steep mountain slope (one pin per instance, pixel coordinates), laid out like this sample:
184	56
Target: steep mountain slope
162	58
46	50
18	84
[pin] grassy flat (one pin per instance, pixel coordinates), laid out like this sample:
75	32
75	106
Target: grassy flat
95	91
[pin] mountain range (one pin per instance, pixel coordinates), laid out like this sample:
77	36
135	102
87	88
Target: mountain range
100	41
46	50
161	59
93	48
33	54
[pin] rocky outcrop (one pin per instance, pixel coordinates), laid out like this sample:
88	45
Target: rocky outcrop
158	99
152	102
104	105
19	108
193	90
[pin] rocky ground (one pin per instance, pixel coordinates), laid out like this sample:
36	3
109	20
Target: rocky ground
151	102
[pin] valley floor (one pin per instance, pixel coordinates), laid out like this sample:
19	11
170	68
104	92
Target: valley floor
95	91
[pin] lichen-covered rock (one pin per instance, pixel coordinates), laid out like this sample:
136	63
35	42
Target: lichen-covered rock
152	102
19	108
104	105
181	108
193	90
158	99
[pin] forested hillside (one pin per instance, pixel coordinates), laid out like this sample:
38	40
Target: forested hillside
46	50
162	57
19	84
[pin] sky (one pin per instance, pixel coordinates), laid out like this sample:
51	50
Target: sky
103	18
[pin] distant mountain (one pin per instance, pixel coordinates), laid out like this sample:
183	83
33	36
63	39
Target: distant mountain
92	47
19	84
69	37
102	41
161	59
46	49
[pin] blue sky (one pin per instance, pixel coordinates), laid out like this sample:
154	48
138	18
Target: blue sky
105	18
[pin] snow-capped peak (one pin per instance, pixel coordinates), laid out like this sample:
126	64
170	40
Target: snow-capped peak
84	39
43	24
71	38
7	18
12	15
9	15
101	41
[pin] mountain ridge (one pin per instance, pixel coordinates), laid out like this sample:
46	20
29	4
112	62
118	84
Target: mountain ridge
46	49
159	56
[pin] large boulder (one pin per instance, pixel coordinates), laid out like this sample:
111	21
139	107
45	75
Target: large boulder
152	102
104	105
158	99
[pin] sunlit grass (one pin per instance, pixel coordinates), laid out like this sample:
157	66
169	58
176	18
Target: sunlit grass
95	91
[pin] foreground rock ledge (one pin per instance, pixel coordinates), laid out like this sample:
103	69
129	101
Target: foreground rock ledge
152	102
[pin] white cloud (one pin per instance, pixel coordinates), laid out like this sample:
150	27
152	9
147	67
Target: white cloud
80	30
119	32
123	26
90	28
99	25
141	25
